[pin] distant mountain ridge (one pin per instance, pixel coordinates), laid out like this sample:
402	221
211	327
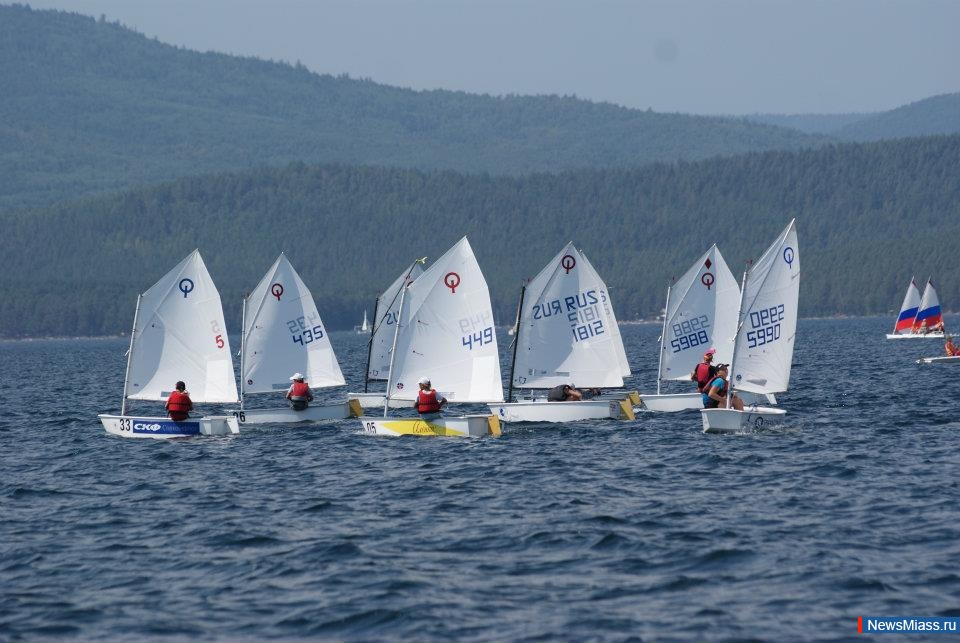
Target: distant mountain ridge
827	124
89	106
928	117
869	216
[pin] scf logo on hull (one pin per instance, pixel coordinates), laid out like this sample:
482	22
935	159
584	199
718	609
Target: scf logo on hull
150	428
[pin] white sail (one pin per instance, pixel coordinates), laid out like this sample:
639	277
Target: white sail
283	334
388	304
768	321
365	327
180	335
929	315
567	332
702	312
614	329
908	310
447	333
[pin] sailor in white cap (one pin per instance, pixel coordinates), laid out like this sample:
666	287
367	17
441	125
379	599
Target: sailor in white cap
428	402
299	393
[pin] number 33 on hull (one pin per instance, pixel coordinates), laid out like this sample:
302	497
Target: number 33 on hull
178	334
766	330
157	427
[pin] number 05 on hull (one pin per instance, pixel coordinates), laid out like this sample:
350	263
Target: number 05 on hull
466	426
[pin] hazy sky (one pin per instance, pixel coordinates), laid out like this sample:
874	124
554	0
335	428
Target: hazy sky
695	56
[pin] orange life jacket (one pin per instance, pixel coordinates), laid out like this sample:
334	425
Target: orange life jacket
704	373
299	389
178	406
427	402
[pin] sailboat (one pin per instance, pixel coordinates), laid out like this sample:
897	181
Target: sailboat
903	327
380	346
764	340
700	313
920	317
283	333
929	319
363	328
444	331
566	334
178	334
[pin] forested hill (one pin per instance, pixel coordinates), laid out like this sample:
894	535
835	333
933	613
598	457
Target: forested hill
87	106
927	117
935	115
869	216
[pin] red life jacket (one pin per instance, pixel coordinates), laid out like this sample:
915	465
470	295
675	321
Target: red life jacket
299	389
178	404
427	402
704	374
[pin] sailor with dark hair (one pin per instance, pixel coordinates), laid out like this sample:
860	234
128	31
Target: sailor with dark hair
564	393
179	403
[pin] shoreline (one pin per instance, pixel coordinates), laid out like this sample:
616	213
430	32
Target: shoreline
628	322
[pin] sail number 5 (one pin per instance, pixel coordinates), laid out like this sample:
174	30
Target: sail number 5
217	332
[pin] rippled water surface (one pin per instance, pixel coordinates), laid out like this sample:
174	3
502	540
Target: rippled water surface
599	530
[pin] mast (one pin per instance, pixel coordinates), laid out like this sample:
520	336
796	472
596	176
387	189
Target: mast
663	336
516	342
393	351
126	375
243	345
373	330
733	356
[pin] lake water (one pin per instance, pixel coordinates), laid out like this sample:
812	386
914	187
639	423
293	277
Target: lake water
601	530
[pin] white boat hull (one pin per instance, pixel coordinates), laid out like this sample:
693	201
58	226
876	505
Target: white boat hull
733	421
671	402
465	426
955	359
375	400
311	414
675	402
131	426
915	336
540	410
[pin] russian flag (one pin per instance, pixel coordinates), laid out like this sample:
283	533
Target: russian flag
905	320
932	316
